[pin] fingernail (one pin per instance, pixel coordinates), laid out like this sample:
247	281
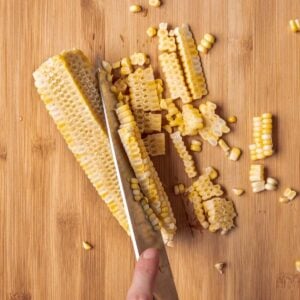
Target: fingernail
150	253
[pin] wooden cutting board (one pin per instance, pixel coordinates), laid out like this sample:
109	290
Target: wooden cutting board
47	206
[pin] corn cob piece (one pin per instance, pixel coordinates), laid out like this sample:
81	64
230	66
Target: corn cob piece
155	144
143	90
189	164
152	122
192	118
173	73
221	214
215	126
67	86
145	172
191	62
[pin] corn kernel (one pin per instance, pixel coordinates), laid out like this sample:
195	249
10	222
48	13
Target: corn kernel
224	146
297	265
116	65
135	8
195	146
238	192
86	246
289	194
206	43
211	172
234	154
154	3
176	190
295	25
202	49
151	31
107	66
209	37
220	267
232	119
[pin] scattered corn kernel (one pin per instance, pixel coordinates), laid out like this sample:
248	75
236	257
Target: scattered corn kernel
297	265
206	43
258	186
238	192
295	25
211	172
196	146
271	184
154	3
220	267
289	194
107	66
179	189
135	8
86	246
116	65
224	146
232	119
151	31
235	154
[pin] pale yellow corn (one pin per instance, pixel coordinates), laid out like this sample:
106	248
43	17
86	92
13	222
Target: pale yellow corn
211	172
289	194
235	153
232	119
138	58
154	3
68	87
238	192
206	43
151	31
295	25
135	8
224	146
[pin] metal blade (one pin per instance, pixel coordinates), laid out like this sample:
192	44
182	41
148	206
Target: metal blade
141	232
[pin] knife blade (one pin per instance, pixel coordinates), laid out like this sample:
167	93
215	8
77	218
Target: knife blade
141	232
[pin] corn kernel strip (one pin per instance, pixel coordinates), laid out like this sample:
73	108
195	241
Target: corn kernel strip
215	126
145	172
155	144
221	214
192	118
173	74
262	137
152	122
143	90
67	86
188	162
166	43
191	62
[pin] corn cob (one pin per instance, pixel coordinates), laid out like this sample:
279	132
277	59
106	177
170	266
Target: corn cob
67	86
145	172
165	41
191	62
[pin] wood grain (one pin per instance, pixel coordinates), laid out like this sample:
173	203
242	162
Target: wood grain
47	206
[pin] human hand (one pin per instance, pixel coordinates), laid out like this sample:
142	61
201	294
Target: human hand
144	276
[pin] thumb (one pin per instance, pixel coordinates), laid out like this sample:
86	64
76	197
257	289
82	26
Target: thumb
144	276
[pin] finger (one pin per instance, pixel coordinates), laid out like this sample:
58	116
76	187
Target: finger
144	276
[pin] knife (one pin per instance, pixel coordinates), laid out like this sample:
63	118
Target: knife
141	232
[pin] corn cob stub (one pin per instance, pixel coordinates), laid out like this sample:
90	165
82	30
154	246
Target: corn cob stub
67	86
147	176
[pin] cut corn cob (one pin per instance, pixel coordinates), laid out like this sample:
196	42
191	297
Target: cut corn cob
145	173
173	73
191	62
165	41
155	144
67	86
189	164
143	90
192	118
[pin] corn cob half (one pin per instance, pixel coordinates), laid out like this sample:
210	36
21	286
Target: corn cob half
67	85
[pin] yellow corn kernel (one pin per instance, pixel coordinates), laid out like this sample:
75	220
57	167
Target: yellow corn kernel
220	267
192	118
224	146
107	66
238	192
116	65
206	43
295	25
209	37
195	146
151	31
125	70
289	194
297	265
135	8
109	77
68	87
86	246
154	3
232	119
114	89
211	172
235	153
202	49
